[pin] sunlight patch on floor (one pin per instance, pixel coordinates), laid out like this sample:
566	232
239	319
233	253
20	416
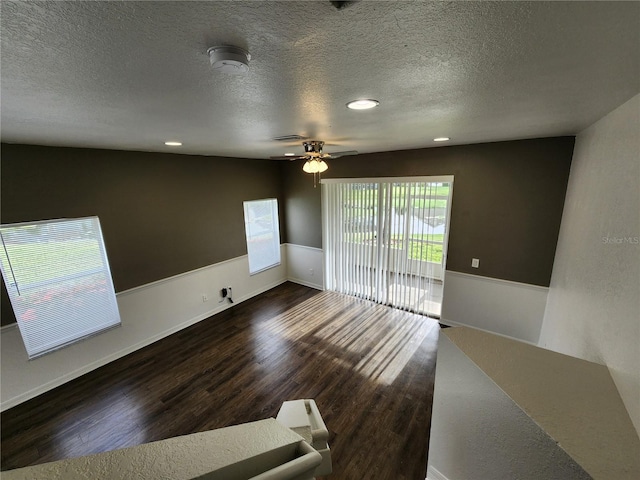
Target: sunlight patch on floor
422	297
391	355
378	354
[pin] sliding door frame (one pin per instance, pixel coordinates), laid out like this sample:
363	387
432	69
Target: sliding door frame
328	206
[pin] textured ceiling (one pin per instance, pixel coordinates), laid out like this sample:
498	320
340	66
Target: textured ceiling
130	75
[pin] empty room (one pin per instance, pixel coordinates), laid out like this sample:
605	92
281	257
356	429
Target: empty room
319	239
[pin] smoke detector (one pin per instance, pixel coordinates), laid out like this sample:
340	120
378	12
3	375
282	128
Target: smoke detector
229	59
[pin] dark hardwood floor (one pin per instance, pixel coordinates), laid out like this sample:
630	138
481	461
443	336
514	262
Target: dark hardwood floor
369	368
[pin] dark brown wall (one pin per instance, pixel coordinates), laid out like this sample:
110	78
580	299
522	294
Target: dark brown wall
303	206
507	201
164	214
161	214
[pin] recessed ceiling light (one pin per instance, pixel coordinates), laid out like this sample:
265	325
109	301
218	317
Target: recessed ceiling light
441	139
363	104
173	144
289	154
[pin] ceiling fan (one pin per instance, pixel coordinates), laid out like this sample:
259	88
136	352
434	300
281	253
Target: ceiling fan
315	159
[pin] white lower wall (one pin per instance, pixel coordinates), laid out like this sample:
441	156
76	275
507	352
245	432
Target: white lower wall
305	265
511	309
157	310
507	308
148	313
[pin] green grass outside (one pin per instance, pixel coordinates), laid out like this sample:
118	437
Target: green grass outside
418	250
429	204
367	198
425	252
40	262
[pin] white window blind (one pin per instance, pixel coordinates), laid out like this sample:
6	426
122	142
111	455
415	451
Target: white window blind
385	240
59	283
263	234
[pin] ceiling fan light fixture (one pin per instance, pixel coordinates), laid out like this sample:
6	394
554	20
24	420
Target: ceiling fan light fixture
363	104
312	166
315	167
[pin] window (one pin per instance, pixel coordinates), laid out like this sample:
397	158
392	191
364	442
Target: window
58	279
386	239
263	234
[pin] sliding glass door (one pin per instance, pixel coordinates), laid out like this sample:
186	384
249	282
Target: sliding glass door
386	239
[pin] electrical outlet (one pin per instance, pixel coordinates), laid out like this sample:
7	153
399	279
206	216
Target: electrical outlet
311	272
229	294
475	262
205	298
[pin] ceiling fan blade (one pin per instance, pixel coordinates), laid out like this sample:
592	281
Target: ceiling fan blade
343	154
288	157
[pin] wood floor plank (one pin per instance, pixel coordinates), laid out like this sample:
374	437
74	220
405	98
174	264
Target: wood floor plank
369	368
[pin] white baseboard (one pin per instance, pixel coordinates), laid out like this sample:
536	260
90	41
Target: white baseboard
148	313
305	265
451	323
121	353
154	311
305	283
434	474
511	309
